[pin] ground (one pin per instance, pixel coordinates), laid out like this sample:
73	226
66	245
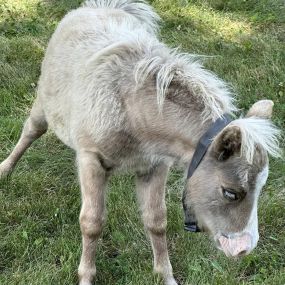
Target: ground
40	201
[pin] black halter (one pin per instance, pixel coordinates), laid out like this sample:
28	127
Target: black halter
200	151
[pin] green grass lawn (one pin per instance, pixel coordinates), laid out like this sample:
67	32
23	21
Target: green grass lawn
40	239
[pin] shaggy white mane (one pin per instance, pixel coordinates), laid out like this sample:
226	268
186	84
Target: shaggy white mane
258	131
166	64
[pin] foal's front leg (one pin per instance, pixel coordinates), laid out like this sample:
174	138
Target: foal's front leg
93	181
151	196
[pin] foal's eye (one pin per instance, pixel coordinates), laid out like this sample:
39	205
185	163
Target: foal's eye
230	194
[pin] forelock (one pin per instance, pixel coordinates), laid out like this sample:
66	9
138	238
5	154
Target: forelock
258	133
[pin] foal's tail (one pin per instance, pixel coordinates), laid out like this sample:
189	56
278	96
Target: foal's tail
138	8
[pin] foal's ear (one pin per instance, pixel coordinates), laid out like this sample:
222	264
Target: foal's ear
227	143
261	109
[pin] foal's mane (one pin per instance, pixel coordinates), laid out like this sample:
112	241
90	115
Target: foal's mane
167	64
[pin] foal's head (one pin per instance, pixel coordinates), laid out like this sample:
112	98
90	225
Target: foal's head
223	191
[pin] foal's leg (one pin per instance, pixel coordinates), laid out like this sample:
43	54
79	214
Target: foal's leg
34	127
93	179
151	196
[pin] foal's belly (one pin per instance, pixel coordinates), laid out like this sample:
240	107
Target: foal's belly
57	114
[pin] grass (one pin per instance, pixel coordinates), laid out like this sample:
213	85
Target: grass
40	202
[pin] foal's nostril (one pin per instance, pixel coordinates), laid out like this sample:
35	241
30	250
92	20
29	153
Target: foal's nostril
237	246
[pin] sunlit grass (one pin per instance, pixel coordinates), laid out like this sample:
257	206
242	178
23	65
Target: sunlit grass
208	21
17	8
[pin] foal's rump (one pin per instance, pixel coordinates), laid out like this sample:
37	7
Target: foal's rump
69	82
139	10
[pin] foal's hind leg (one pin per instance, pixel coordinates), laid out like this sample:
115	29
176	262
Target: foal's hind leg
151	196
34	127
93	179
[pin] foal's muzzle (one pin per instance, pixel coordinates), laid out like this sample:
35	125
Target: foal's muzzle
235	246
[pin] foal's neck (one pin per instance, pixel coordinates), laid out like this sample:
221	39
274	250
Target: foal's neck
173	131
170	120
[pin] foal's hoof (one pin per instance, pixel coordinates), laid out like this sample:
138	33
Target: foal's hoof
86	274
170	281
85	282
5	169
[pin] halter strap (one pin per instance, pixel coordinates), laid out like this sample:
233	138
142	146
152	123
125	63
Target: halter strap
200	151
205	141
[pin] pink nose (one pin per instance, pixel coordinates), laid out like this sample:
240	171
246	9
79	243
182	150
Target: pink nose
237	246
